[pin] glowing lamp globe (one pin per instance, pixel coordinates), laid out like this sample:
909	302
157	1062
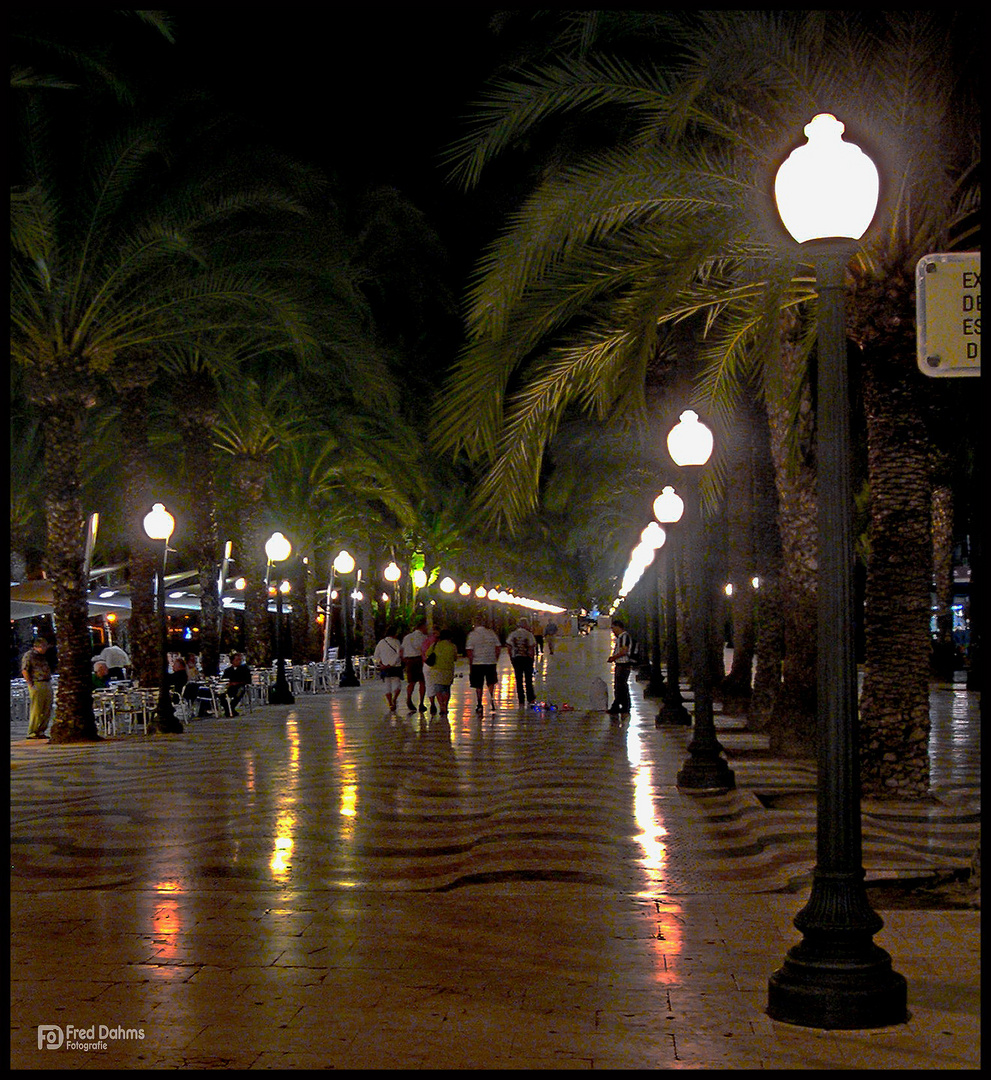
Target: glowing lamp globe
344	563
277	548
668	506
392	572
689	441
828	187
464	589
653	536
159	523
419	578
447	585
641	557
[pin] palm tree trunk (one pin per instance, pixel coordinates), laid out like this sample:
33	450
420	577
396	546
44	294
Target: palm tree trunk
258	632
206	545
767	552
735	688
299	618
144	561
944	658
74	719
793	721
894	705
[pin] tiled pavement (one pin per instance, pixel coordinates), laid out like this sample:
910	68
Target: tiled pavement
324	886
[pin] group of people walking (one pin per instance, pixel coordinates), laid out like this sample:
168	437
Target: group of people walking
425	659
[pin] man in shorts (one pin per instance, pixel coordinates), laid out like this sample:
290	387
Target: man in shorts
482	648
412	657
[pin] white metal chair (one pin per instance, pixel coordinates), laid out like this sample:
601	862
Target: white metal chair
103	710
182	707
130	707
321	678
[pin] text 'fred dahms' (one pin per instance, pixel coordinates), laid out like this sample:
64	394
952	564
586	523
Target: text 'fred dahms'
94	1037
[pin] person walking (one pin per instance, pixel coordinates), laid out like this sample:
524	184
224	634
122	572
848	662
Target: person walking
483	648
388	662
413	663
38	675
429	640
623	660
444	654
522	646
550	631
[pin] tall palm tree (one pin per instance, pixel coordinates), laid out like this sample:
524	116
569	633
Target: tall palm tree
665	213
103	275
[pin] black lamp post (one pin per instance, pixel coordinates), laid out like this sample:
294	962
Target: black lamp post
690	446
344	564
159	524
836	977
278	549
654	537
668	508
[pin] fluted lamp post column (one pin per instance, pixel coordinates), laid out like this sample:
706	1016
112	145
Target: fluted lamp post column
654	537
668	509
827	192
705	769
278	549
344	564
159	524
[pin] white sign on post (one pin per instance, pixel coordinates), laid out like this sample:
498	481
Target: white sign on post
948	314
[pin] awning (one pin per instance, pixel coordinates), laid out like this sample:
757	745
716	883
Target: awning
31	598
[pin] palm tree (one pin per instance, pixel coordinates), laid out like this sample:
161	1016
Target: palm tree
106	272
670	219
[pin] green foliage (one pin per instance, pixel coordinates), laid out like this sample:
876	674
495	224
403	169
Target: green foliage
665	216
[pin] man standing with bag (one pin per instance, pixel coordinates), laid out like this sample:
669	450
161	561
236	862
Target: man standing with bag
522	646
623	660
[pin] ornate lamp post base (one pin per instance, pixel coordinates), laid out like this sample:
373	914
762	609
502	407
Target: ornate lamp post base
280	694
836	977
706	773
673	714
673	710
348	677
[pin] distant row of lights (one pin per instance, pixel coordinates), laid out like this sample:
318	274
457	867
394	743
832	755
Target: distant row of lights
392	574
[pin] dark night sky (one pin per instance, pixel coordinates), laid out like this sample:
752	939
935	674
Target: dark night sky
372	94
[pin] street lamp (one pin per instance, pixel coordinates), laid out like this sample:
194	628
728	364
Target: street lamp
392	574
836	977
654	537
344	564
278	549
690	446
159	525
668	509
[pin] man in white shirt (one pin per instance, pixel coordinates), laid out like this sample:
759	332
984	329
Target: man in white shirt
623	659
522	646
413	663
482	648
116	660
